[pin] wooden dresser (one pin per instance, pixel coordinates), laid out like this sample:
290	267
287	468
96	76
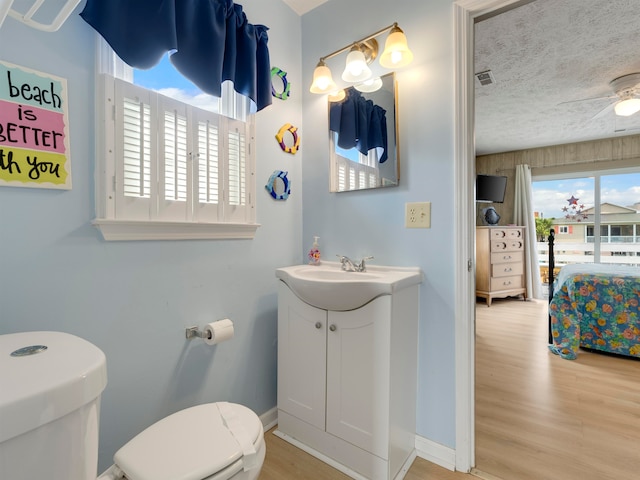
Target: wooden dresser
500	262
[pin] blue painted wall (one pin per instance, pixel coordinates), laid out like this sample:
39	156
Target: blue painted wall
134	299
372	222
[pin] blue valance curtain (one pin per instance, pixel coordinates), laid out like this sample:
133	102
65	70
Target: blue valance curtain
210	41
359	123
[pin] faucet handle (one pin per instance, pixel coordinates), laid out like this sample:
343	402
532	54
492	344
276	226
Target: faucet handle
362	267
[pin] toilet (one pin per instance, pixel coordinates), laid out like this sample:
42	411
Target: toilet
50	389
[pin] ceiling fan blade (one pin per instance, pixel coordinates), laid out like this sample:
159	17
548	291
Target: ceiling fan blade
609	97
604	111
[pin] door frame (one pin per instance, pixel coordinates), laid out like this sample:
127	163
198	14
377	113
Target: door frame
465	11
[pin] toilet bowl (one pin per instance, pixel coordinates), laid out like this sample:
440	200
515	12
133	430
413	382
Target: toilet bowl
49	412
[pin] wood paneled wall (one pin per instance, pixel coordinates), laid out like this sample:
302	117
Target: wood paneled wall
595	155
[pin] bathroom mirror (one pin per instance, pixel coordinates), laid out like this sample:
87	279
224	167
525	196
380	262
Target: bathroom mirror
363	136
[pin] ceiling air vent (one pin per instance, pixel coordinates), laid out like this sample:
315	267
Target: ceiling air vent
485	78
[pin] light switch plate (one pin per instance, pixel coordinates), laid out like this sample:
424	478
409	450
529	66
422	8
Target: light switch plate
417	215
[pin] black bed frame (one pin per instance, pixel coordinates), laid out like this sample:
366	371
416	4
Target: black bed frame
552	264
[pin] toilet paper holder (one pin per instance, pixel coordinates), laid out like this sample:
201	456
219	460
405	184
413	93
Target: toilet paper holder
195	332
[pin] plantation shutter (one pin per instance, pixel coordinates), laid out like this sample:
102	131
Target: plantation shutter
175	187
134	175
237	179
208	155
173	162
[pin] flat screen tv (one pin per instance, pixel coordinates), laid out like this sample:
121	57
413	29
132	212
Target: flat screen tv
490	188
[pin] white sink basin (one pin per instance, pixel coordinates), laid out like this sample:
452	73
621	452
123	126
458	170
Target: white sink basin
328	287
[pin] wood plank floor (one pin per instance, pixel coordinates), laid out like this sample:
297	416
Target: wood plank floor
538	416
286	462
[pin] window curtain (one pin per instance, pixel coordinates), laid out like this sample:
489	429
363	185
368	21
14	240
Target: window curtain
209	41
523	215
360	124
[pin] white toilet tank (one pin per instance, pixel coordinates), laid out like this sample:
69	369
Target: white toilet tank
50	387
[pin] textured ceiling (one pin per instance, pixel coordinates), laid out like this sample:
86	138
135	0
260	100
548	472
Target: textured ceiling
548	52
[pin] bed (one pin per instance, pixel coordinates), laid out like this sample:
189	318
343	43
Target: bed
594	306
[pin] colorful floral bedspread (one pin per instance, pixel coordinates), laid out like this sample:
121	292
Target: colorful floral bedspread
596	306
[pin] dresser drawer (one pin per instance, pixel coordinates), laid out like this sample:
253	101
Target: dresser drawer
507	257
506	283
507	245
506	269
506	234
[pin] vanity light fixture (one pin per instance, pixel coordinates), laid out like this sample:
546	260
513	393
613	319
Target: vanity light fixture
396	54
356	68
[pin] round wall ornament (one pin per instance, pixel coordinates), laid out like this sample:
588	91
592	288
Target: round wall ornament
287	127
286	86
278	185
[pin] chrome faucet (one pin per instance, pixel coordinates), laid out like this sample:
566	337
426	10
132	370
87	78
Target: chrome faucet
349	265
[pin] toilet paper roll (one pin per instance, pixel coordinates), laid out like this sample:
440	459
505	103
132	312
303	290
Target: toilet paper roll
216	332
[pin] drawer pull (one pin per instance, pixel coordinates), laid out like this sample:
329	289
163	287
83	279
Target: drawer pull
506	257
508	269
332	328
318	325
507	283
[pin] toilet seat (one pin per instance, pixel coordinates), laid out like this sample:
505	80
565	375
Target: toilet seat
193	444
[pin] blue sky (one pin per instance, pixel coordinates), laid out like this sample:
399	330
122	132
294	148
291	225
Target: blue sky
166	80
163	75
549	197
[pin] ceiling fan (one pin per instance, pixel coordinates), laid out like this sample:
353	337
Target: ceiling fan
627	97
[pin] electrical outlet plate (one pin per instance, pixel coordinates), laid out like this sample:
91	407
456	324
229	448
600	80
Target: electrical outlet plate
417	215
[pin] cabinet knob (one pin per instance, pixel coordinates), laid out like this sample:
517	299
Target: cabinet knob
318	325
332	328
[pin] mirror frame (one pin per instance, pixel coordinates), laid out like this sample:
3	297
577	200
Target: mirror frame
393	150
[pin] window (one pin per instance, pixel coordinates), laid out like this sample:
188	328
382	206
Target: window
355	171
604	202
167	169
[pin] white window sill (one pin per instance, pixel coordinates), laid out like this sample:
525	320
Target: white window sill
120	230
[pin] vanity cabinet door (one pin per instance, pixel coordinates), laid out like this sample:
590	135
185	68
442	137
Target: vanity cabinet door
302	331
358	364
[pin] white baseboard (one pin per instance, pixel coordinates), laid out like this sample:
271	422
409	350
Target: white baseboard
436	453
425	448
269	419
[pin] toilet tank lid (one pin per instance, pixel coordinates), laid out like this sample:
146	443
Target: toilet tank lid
41	385
191	444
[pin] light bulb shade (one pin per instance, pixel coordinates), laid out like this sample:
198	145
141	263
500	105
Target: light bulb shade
337	96
322	80
371	85
356	68
396	51
628	107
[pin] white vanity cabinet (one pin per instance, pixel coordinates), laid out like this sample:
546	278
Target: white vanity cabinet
347	381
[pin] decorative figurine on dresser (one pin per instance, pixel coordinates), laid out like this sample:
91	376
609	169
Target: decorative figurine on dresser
500	262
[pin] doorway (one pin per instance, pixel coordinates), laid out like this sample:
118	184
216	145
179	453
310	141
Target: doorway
465	11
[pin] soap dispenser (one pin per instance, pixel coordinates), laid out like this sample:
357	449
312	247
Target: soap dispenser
314	252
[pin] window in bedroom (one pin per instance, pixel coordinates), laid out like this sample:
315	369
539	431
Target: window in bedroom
578	207
173	162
